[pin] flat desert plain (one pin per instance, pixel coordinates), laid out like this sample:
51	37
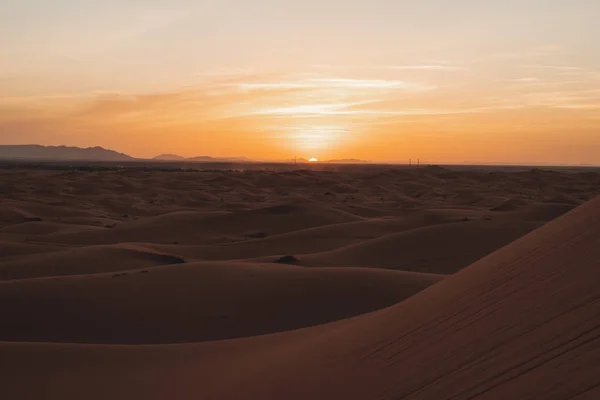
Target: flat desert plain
314	283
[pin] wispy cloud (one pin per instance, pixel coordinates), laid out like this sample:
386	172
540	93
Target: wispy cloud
530	79
273	85
360	83
332	83
424	67
531	54
242	101
505	56
416	67
547	50
577	106
553	67
312	109
224	72
355	110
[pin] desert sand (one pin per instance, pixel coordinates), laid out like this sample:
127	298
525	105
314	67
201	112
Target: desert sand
350	283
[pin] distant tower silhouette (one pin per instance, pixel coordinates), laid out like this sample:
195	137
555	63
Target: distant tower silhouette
409	162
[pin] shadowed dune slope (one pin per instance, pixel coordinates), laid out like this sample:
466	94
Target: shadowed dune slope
14	249
312	240
191	227
520	323
195	302
11	215
79	261
441	249
44	228
26	210
542	211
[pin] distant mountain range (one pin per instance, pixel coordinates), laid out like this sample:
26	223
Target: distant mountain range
175	157
36	152
168	157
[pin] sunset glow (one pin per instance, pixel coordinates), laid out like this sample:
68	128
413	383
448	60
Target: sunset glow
266	79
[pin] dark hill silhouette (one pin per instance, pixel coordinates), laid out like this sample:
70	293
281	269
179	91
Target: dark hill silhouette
168	157
218	159
175	157
60	153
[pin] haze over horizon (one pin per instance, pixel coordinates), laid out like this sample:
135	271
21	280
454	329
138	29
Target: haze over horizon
379	80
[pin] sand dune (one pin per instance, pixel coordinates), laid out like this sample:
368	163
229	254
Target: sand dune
513	325
195	302
101	222
562	198
199	227
384	190
510	205
45	228
542	211
79	261
441	249
12	215
13	249
316	239
107	288
54	208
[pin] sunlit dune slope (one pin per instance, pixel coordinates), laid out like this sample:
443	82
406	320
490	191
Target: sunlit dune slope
520	323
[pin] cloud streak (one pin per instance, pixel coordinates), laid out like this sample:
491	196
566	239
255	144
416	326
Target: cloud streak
354	109
332	83
414	67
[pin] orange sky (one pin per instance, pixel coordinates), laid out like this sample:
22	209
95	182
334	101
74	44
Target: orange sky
381	80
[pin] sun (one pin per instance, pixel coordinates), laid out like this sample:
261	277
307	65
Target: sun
313	160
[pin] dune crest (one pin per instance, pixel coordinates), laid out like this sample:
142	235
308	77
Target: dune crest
82	261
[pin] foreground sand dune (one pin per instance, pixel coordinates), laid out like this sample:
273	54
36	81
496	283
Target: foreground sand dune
195	302
520	323
99	302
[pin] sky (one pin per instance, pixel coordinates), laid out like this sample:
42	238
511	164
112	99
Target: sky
380	80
